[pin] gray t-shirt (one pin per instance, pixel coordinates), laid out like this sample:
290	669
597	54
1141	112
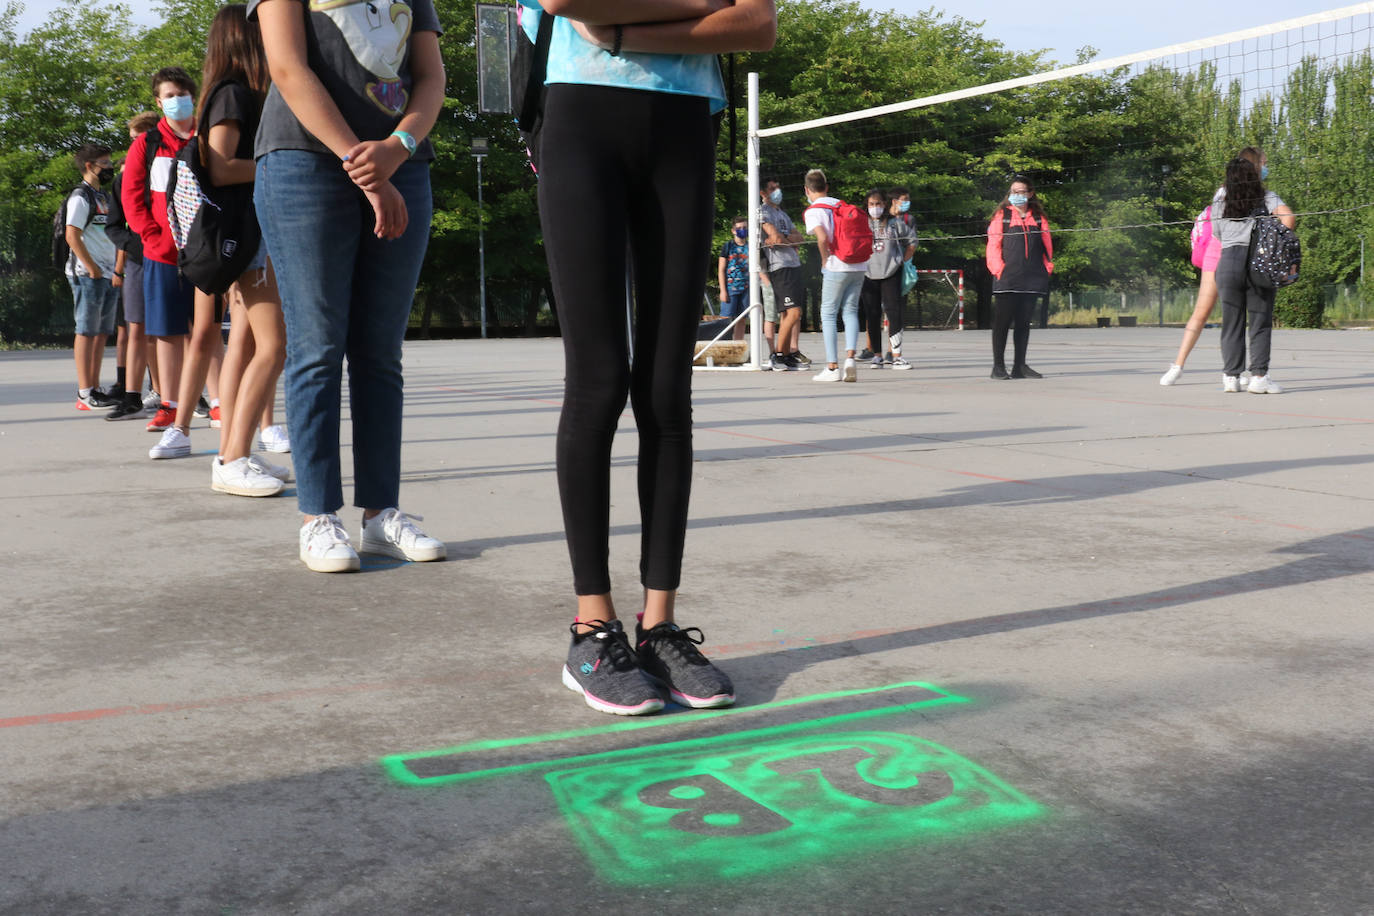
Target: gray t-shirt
890	243
98	244
1236	232
778	256
360	51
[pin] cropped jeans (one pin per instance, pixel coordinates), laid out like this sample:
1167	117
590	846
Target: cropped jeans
344	293
840	293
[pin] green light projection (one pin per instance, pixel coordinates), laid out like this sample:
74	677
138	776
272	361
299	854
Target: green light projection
767	803
741	803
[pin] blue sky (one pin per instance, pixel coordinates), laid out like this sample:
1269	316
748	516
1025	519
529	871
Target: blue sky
1061	25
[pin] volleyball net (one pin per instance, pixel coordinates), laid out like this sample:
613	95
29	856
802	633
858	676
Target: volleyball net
1123	152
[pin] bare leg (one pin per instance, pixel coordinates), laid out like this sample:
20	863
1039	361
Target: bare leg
595	607
97	356
82	346
203	341
137	356
154	376
658	607
236	356
787	321
263	320
1206	300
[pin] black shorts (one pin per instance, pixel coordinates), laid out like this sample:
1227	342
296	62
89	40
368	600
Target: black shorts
787	287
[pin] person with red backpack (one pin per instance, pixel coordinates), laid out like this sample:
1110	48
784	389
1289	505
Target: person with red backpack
1020	257
845	242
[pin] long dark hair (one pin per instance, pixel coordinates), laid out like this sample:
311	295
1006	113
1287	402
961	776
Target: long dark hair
233	51
1244	190
1036	208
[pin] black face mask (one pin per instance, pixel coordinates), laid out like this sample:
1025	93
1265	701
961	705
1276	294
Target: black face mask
105	175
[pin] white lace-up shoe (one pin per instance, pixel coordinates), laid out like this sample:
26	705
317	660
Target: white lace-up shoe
325	546
173	444
1260	384
395	534
851	370
275	439
1230	384
240	478
1172	375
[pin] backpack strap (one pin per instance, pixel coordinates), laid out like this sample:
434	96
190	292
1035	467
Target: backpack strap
539	68
87	192
151	144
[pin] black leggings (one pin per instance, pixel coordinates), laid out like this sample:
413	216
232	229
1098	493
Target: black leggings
618	167
1009	308
877	297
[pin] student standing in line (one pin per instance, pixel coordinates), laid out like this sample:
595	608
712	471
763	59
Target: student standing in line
1207	284
343	196
1020	257
627	154
780	260
841	282
1232	223
91	268
167	296
893	245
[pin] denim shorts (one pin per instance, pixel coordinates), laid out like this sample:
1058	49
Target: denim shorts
93	304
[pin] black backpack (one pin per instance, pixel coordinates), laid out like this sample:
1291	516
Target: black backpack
527	71
1275	253
215	228
61	251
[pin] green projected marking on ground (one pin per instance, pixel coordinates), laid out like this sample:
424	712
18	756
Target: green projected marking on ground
766	802
424	769
740	803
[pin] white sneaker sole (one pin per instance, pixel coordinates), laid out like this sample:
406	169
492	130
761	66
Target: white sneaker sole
156	453
370	545
643	709
849	374
331	564
233	490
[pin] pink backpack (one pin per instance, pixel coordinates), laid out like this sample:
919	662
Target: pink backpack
1202	236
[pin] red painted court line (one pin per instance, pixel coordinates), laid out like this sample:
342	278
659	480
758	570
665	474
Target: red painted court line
150	709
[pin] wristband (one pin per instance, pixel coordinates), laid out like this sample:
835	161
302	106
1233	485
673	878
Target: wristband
407	141
119	275
619	39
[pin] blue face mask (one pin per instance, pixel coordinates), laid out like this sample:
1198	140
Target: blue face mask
1017	200
741	234
179	107
1264	172
903	206
775	197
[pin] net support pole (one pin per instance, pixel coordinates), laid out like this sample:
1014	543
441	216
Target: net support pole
751	206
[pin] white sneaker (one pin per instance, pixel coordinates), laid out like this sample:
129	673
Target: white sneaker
1172	375
274	439
325	546
1230	384
242	478
1260	384
827	375
878	362
899	363
173	444
1245	378
851	370
393	533
152	401
271	470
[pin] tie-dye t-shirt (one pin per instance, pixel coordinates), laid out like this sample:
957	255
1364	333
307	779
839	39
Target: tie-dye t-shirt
572	59
360	50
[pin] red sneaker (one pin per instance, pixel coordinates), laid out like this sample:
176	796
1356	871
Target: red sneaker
214	417
83	403
165	418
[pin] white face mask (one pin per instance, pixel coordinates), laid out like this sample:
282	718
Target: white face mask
875	212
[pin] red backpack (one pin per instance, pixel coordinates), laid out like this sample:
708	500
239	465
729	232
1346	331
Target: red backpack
852	240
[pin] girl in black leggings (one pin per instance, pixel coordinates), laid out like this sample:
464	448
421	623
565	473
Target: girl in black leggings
627	161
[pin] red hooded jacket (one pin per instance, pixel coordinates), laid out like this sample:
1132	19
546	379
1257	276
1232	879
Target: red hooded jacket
151	224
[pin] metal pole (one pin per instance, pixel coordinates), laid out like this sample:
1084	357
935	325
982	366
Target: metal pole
481	250
751	158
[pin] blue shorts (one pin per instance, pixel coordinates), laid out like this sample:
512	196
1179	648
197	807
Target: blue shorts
735	305
93	304
168	299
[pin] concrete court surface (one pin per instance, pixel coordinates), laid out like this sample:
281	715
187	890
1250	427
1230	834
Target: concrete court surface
1079	645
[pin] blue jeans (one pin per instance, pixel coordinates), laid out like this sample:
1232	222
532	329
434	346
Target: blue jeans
840	291
344	292
93	305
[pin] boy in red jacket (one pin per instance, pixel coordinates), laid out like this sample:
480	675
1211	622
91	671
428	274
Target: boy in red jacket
168	297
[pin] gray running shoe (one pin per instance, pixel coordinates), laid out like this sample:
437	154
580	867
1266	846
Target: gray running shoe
604	669
669	655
